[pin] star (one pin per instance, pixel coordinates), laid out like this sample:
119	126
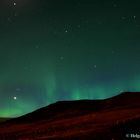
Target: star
79	26
134	17
15	98
15	3
37	47
61	58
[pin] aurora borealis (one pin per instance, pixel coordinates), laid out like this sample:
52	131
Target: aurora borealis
52	50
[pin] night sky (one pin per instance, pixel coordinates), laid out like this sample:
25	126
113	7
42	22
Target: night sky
52	50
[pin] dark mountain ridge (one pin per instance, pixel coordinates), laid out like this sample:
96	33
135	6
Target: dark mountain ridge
79	107
111	118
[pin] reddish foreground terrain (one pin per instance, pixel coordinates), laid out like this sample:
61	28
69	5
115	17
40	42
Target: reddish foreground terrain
116	118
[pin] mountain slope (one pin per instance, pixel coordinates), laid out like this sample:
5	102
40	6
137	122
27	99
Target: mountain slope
111	118
4	119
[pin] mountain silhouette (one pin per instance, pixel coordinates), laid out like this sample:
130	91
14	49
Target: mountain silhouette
114	118
4	119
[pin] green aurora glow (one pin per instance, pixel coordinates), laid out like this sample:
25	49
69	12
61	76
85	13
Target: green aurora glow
66	50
